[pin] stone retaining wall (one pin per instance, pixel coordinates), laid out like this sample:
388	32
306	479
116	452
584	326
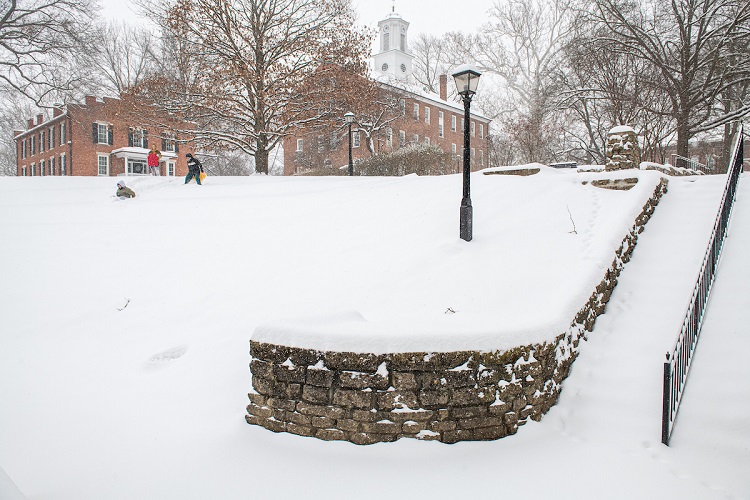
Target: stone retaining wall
449	397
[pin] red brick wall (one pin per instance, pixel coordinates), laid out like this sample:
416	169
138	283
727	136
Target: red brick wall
80	150
407	123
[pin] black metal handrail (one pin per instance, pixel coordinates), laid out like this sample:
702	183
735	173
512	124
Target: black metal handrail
678	360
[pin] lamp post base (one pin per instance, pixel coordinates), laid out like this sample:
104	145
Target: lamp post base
466	222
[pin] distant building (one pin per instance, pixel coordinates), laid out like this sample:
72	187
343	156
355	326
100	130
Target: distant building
424	117
101	137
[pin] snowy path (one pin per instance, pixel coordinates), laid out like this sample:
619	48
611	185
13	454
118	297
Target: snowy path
617	378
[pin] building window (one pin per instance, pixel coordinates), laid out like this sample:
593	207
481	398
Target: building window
355	138
23	171
415	138
300	142
386	41
401	138
453	123
169	143
481	156
389	137
52	166
427	140
481	130
33	169
41	141
453	149
102	133
137	137
402	106
33	144
473	128
321	143
63	165
42	168
51	136
427	115
62	133
170	168
473	153
23	149
103	161
440	124
403	42
416	111
137	167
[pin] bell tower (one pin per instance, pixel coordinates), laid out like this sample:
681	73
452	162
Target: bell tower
394	58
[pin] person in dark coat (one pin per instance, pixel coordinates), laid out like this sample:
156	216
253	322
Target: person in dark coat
123	191
194	169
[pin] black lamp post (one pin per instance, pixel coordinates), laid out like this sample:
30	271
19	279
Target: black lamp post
349	117
467	79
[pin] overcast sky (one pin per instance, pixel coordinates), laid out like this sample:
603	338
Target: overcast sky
425	16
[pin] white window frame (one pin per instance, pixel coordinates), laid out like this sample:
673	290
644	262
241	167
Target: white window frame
415	138
51	137
102	130
481	157
355	138
63	164
453	123
427	140
473	129
137	135
401	138
32	146
51	163
63	134
416	111
453	148
33	169
427	115
41	141
23	149
441	126
481	130
389	137
42	167
23	171
99	158
300	145
171	169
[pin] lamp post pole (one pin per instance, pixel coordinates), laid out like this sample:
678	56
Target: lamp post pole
467	79
466	212
349	117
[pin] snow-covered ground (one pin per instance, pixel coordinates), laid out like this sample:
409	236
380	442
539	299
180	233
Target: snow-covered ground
125	327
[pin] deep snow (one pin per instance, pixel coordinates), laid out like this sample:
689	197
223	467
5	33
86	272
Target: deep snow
123	351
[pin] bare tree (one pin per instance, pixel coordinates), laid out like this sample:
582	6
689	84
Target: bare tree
125	55
253	56
430	61
689	43
523	44
34	36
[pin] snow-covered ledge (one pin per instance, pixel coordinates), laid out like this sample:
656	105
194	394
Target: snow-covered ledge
373	395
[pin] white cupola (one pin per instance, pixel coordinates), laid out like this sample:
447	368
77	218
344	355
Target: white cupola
394	58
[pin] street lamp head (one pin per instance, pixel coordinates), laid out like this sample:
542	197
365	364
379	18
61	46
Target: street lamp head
349	117
467	80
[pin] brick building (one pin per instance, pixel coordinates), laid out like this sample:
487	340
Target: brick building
101	137
423	116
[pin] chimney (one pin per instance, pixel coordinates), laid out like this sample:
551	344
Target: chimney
90	100
39	119
16	133
30	124
57	109
444	87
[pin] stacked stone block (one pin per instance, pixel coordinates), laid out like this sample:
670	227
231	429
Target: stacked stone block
622	149
367	398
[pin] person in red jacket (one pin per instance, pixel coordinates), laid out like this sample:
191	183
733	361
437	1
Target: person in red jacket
153	161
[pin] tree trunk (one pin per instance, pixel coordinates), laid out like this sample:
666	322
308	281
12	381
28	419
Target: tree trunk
261	154
682	135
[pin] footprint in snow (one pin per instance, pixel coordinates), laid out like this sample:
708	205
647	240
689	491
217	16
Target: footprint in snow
167	356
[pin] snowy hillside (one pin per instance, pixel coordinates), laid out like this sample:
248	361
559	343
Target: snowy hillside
124	345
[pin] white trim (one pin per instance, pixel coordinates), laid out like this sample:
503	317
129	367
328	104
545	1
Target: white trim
99	156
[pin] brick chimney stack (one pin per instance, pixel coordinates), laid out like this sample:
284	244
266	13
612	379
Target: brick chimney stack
39	119
444	87
90	100
30	124
57	109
